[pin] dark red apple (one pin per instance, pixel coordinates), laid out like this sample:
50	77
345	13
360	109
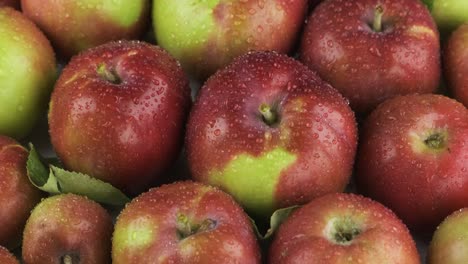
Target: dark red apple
343	228
456	64
270	132
6	257
67	229
11	3
184	222
18	196
117	113
372	50
413	157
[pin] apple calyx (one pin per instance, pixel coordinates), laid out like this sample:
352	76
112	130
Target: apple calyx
269	114
436	141
344	231
70	259
185	228
107	74
377	23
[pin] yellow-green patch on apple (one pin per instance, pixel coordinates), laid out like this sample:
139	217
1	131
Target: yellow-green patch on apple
136	235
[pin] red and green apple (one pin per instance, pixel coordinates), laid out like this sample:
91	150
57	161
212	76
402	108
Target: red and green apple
456	64
448	14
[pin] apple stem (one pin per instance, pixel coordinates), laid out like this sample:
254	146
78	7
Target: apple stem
268	115
67	259
108	75
377	25
435	141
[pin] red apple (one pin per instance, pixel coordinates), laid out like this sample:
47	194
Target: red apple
67	229
414	158
371	50
270	132
343	228
118	112
207	35
18	196
73	26
6	257
184	222
456	63
449	243
11	3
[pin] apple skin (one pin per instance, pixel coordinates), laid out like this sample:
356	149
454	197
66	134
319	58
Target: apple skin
449	14
73	26
207	35
18	196
456	64
6	257
412	158
126	131
307	152
11	3
366	66
449	243
155	228
27	73
343	228
68	225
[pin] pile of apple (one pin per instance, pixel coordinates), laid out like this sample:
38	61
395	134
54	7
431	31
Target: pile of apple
336	126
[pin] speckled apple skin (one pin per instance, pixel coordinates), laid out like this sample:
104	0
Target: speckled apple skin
67	224
156	212
303	237
126	134
420	185
6	257
456	64
18	196
368	67
316	128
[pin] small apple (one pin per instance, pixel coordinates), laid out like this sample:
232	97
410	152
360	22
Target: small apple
118	112
372	50
6	257
18	196
184	222
449	243
207	35
73	26
68	229
270	132
11	3
27	73
343	228
456	64
448	14
413	158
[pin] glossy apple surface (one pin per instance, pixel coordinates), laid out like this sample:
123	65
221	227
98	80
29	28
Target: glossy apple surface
449	14
184	222
456	64
118	112
271	133
372	50
6	257
449	243
413	158
73	26
343	228
18	196
206	35
67	229
27	73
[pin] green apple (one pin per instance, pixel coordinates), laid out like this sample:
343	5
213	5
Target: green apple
27	73
448	14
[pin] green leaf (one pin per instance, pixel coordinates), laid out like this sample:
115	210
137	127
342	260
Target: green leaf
278	217
429	4
55	180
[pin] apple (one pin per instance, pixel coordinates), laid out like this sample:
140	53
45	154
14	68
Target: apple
343	228
449	243
456	64
206	35
11	3
372	50
184	222
448	14
413	158
6	257
118	113
73	26
270	132
27	73
68	229
18	196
